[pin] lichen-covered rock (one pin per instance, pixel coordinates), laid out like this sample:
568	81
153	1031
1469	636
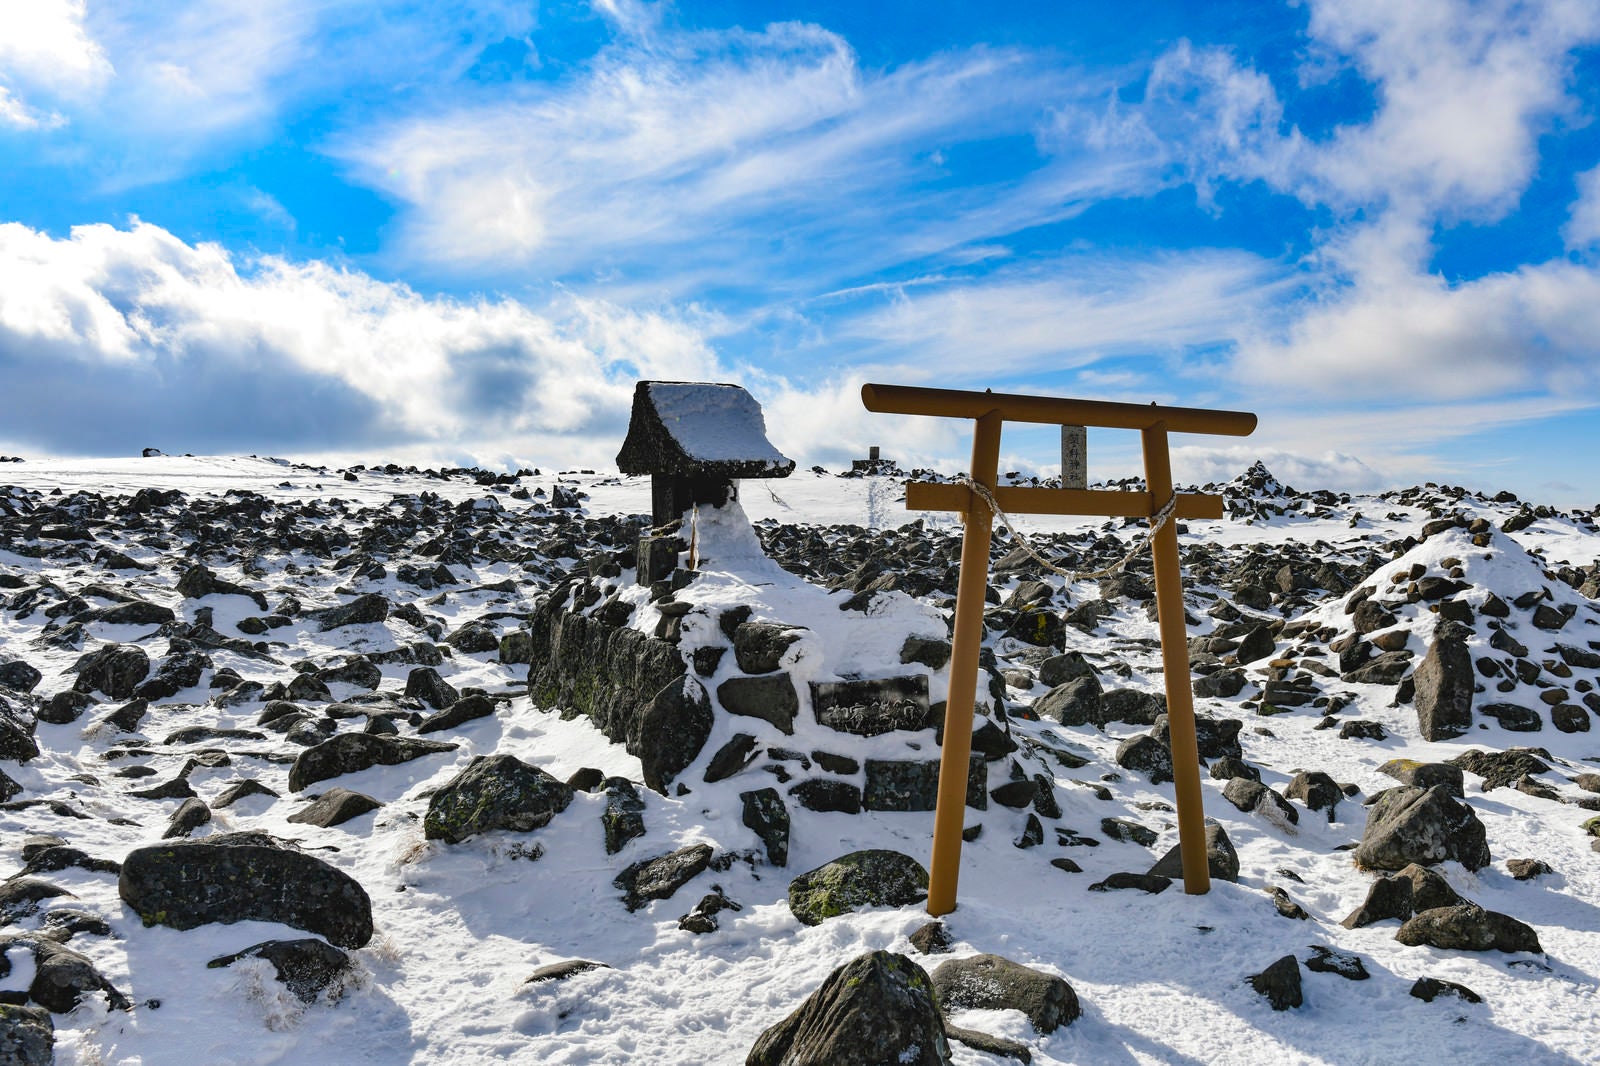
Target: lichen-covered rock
992	982
464	710
622	819
494	792
350	753
1468	927
1426	826
238	877
870	878
363	610
27	1036
1144	754
878	1008
913	784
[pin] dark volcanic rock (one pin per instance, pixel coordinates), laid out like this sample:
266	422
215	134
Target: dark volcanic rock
494	792
239	877
770	697
877	1009
871	878
348	753
868	708
425	683
363	610
765	813
27	1036
660	877
623	817
1500	768
464	710
1221	859
1280	983
670	731
62	977
913	784
306	967
115	670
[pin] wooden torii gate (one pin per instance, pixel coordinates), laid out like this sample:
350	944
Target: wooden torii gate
989	410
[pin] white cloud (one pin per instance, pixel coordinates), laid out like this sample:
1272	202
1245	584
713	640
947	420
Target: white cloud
44	44
1073	313
1583	225
1464	90
110	335
18	115
725	154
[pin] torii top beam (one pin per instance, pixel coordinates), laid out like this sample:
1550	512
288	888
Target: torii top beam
957	403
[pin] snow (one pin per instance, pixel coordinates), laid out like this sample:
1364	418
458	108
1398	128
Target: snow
715	423
1162	978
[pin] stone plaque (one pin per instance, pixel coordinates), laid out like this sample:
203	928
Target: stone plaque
868	708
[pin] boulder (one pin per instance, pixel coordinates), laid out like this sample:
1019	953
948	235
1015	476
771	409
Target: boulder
765	813
1221	859
115	670
1444	681
770	697
1412	825
991	982
913	784
27	1036
670	731
1280	983
1076	701
1144	754
349	753
61	977
237	877
363	610
870	878
425	684
494	792
878	1008
759	647
1468	927
464	710
17	725
622	819
335	807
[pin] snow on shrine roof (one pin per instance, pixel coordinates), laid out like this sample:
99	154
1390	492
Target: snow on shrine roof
696	427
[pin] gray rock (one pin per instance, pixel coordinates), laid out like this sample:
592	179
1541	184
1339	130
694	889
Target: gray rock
191	814
759	647
1144	754
17	725
1131	706
62	977
1426	775
1412	825
473	638
732	757
822	794
770	697
1062	668
239	877
349	753
1468	927
877	1009
335	807
660	877
1388	897
363	610
1256	644
27	1036
1215	738
1155	884
1386	669
305	967
494	792
991	982
1076	701
1444	681
21	896
1221	859
623	817
464	710
1500	768
1316	790
1252	796
871	878
1343	963
1429	989
1513	717
871	707
427	685
18	675
913	784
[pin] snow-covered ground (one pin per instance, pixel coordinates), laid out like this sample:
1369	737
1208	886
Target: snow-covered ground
1162	978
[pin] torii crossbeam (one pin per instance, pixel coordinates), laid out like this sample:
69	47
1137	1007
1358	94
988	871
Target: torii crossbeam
989	410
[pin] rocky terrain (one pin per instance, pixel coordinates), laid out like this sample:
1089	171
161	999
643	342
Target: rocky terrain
389	765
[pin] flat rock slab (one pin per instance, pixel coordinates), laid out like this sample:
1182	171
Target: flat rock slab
240	877
870	708
1468	927
335	807
662	876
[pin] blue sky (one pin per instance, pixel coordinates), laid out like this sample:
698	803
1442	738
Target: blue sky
451	232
